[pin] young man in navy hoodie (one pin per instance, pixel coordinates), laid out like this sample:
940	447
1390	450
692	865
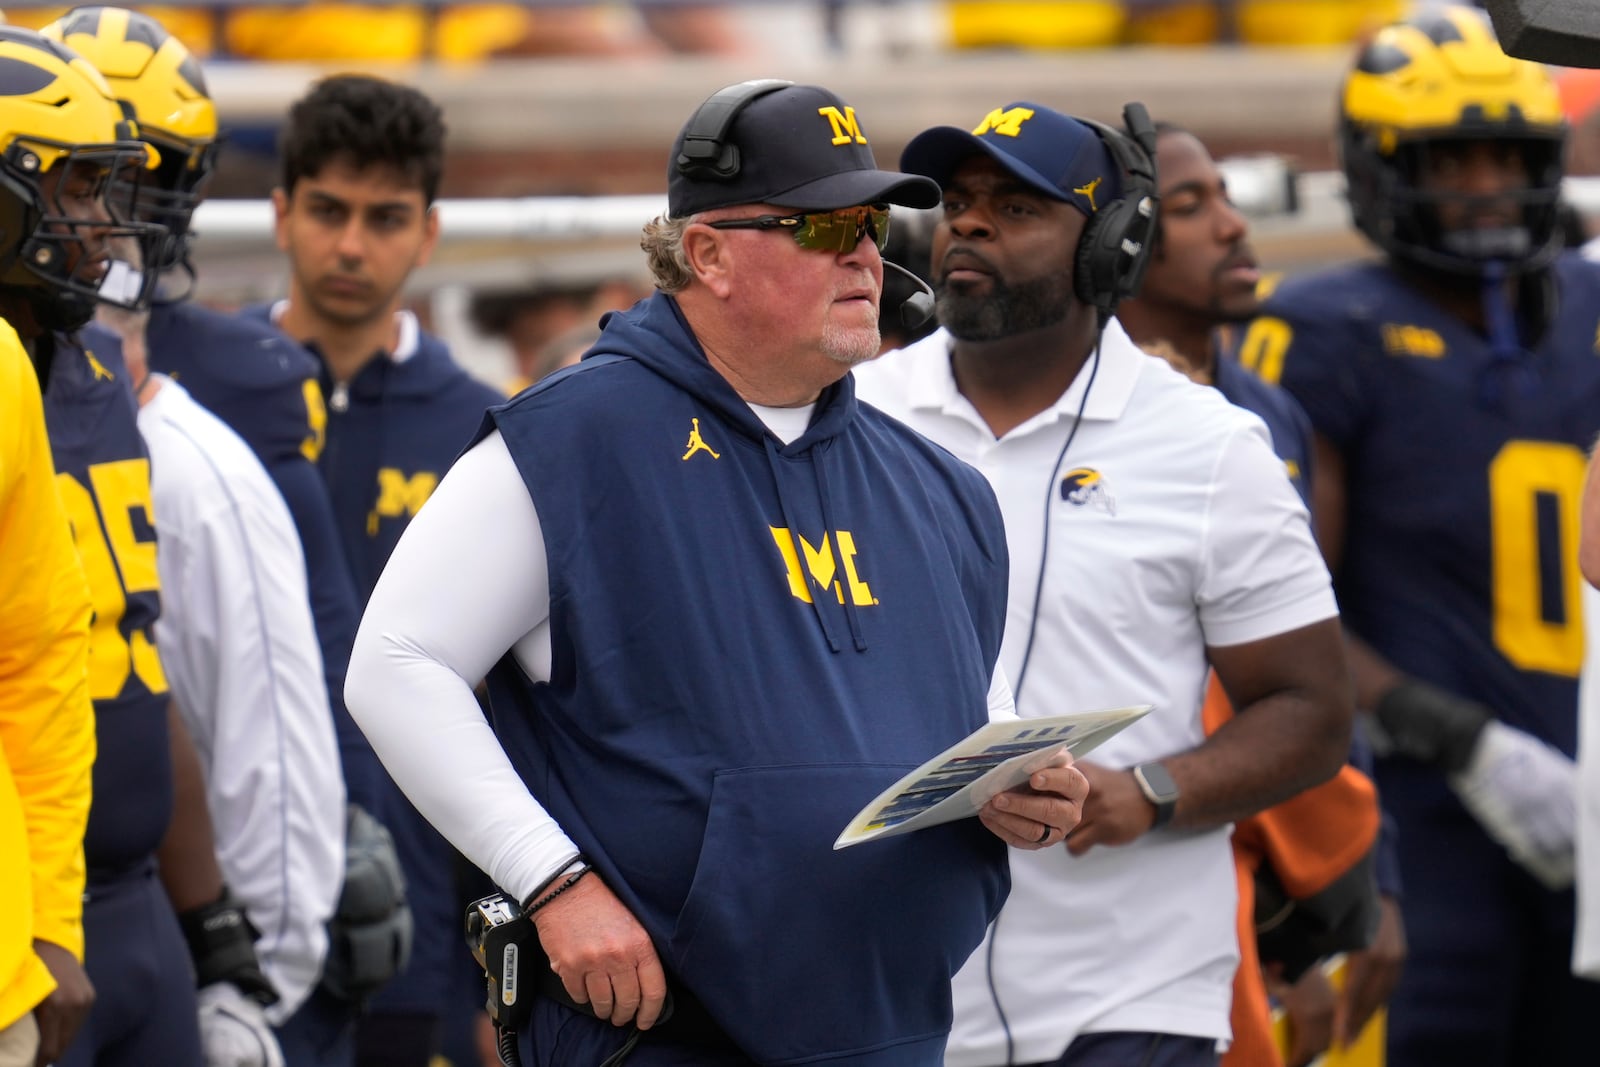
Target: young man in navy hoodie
721	605
362	159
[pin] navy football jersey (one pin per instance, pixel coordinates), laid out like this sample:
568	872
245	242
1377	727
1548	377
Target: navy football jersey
103	474
1463	476
259	382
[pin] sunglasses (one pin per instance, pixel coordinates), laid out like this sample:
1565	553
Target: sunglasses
826	231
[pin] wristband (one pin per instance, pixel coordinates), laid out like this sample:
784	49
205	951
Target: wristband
566	884
557	883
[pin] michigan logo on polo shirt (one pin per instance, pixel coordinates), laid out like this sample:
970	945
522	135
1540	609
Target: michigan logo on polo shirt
1085	487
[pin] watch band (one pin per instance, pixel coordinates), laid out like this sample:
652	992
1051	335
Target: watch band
1159	789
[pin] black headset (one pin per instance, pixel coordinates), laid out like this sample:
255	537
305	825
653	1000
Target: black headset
705	154
1118	240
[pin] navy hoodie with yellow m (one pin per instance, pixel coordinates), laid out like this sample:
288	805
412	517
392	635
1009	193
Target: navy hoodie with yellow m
750	641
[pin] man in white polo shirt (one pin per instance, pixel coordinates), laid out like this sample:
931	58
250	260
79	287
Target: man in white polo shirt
1153	535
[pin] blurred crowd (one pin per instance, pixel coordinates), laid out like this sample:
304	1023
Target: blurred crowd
467	32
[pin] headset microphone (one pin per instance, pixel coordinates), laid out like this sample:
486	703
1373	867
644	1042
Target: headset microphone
918	307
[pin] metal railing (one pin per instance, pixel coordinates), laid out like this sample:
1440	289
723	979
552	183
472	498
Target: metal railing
498	239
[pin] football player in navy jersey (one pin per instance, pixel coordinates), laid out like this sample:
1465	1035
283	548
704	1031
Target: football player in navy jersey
361	165
1454	387
257	381
66	139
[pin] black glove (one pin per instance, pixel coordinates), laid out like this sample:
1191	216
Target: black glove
222	945
1341	917
1426	723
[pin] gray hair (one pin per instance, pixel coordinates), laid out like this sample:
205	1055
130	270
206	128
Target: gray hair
662	241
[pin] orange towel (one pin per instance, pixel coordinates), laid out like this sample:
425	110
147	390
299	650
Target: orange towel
1310	840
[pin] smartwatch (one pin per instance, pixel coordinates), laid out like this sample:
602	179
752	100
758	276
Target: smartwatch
1159	789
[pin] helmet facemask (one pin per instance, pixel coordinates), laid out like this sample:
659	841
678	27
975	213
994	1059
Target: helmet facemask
169	195
1438	87
162	90
61	263
1391	206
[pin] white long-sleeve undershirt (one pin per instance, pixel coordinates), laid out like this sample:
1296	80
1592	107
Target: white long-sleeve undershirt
467	581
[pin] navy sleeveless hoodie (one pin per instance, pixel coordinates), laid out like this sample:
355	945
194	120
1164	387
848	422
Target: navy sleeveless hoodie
751	640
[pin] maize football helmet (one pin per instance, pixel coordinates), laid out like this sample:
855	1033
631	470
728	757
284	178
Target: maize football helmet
1441	79
63	137
156	75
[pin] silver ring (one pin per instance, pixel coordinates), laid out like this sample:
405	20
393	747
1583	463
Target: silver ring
1044	835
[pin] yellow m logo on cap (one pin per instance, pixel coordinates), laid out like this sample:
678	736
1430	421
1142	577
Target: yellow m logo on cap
845	126
1007	123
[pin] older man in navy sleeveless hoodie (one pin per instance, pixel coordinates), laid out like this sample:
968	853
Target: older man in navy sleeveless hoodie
721	605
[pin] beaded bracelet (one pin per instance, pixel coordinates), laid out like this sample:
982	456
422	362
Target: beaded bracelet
562	880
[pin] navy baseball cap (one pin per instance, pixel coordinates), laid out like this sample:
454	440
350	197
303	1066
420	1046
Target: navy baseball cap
798	147
1056	154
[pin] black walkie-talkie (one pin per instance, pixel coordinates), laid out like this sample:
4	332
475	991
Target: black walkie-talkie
503	941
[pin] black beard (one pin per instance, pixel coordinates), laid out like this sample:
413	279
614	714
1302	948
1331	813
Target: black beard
1007	311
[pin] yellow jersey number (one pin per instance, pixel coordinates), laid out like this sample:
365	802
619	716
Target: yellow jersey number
116	563
1521	473
1265	344
316	420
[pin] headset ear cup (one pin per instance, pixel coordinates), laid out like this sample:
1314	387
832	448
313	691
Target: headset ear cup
1104	272
1115	246
1137	244
1086	279
705	154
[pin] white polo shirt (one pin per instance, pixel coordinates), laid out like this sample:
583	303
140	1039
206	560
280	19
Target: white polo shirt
241	655
1172	526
